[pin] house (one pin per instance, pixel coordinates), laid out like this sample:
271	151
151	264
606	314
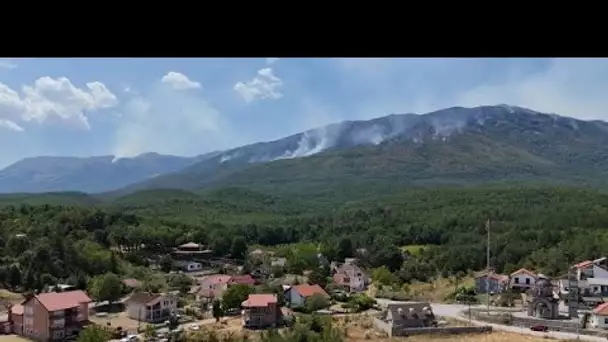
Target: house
405	315
51	316
497	282
190	250
296	295
351	277
591	277
599	316
261	311
522	280
241	279
213	286
189	266
151	307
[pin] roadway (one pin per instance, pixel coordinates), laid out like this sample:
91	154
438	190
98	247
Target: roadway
454	310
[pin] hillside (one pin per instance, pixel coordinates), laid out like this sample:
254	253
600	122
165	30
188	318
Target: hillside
90	174
456	146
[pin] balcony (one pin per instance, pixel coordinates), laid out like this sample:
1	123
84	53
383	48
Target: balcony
57	323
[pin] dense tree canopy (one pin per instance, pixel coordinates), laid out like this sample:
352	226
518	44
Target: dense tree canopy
417	233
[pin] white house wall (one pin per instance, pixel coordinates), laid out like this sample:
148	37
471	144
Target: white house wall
295	298
599	321
599	272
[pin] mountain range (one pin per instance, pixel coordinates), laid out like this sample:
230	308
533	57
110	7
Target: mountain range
451	146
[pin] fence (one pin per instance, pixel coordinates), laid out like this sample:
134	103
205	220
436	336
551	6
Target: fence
400	331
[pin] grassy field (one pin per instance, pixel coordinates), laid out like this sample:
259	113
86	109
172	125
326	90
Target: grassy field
414	250
438	289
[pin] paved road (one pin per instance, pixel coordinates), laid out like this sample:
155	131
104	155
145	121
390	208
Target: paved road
454	310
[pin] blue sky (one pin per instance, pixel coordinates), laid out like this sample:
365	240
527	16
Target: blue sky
84	107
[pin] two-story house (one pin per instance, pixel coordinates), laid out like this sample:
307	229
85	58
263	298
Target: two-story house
351	277
151	307
51	316
296	295
591	277
522	280
261	311
489	281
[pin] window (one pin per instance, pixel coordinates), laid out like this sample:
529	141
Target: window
58	334
605	320
527	281
28	321
516	280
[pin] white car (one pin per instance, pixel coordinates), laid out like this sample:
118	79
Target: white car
130	338
194	327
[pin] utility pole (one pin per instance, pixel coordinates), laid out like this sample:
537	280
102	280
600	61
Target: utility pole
488	266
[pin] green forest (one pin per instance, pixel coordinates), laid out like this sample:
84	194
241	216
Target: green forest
72	237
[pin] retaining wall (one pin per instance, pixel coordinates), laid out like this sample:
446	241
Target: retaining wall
398	331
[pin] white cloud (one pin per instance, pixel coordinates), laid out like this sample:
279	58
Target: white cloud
7	64
170	122
572	87
54	98
271	61
264	86
10	125
179	81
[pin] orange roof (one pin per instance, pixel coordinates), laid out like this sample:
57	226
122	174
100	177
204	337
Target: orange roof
309	290
584	264
524	270
260	300
17	309
601	310
54	301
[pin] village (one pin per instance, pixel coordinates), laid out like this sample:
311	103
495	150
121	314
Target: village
227	297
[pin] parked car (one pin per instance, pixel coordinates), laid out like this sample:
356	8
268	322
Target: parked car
542	328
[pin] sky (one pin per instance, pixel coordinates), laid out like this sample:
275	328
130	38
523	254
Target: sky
125	107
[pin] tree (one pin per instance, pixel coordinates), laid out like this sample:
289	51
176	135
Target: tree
235	295
316	302
181	282
149	332
319	276
106	287
218	312
14	276
166	264
239	248
93	333
383	276
345	248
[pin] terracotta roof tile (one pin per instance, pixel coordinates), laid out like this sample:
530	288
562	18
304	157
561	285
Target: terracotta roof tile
584	264
54	301
17	309
245	279
601	310
260	300
309	290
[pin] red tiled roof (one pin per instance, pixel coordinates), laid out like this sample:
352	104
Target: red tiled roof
309	290
584	264
524	270
17	309
216	279
259	300
601	310
245	279
54	301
